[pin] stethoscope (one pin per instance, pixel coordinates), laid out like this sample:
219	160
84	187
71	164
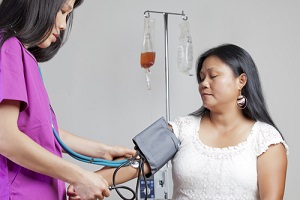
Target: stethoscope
136	161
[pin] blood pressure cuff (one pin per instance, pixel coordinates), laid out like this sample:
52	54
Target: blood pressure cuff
157	144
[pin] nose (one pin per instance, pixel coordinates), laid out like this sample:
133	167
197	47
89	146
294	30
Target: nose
203	84
62	25
61	22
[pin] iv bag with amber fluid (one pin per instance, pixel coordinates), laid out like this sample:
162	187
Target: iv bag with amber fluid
148	51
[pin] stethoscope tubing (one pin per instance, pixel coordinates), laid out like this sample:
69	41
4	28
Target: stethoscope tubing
87	159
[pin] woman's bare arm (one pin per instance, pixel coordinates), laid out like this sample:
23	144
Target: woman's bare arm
272	167
123	175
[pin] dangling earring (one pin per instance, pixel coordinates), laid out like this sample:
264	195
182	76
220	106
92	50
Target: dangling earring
241	101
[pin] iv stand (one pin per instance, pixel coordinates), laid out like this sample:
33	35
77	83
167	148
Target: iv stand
165	14
184	17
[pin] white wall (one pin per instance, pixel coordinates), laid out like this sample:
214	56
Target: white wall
98	89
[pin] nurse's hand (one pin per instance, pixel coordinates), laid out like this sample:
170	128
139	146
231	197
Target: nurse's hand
72	194
90	187
114	152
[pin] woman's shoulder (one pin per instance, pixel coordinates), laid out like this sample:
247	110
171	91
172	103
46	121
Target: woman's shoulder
262	129
183	124
265	135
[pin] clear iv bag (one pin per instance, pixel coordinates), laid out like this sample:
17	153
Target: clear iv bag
148	50
185	49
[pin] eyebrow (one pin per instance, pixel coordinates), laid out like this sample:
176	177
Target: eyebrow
209	69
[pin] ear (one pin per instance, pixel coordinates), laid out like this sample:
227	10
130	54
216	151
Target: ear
242	80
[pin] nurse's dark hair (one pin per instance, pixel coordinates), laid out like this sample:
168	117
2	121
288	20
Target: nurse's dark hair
240	61
30	21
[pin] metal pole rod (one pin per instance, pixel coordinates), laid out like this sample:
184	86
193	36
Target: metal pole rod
167	68
167	171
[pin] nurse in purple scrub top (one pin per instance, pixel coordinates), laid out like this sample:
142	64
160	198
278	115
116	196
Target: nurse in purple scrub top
31	164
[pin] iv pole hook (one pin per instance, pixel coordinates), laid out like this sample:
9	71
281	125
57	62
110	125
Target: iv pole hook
147	14
183	16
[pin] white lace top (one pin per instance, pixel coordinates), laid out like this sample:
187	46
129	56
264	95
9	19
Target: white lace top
201	172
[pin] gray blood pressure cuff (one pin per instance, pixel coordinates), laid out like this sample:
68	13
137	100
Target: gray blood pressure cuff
157	144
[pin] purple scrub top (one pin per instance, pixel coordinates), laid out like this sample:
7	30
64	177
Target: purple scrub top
20	80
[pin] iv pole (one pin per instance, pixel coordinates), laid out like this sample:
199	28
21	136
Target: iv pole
165	15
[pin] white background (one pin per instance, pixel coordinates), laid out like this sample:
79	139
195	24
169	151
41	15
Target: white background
98	88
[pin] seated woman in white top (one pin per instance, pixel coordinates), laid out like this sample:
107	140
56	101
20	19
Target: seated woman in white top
230	148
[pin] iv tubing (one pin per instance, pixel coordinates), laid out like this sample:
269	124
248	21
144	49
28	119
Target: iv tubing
148	79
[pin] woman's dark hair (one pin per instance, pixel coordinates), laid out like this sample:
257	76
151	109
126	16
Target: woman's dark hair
240	62
30	21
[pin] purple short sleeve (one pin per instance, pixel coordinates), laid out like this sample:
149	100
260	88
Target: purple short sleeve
12	82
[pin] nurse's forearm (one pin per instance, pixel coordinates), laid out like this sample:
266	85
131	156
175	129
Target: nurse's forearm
87	147
20	149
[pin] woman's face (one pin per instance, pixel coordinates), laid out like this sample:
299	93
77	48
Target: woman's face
218	87
60	23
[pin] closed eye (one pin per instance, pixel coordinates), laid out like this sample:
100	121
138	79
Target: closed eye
211	77
66	8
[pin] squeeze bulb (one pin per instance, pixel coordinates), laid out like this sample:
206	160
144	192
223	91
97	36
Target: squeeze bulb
185	49
148	52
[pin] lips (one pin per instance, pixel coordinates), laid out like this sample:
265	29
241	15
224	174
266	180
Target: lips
205	94
55	37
